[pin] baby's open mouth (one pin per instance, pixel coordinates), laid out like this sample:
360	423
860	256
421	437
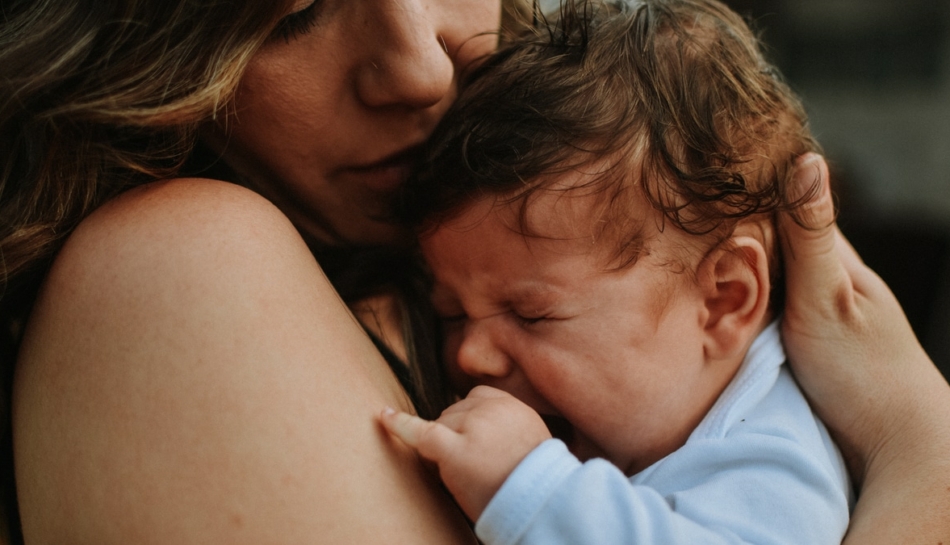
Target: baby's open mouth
559	427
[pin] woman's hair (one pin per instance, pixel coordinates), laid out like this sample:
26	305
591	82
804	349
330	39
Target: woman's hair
674	95
97	96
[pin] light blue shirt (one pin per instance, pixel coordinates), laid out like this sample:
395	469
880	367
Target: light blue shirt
760	468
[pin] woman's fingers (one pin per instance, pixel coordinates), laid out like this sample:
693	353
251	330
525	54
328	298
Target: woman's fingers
822	323
823	271
813	266
856	357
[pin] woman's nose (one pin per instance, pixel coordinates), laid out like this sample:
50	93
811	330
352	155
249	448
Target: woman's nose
479	356
409	63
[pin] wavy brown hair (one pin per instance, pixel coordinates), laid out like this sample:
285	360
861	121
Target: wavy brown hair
97	96
675	95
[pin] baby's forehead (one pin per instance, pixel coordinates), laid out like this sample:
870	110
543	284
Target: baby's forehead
576	212
563	209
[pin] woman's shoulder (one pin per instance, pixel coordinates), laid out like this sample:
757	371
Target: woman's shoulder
183	206
188	358
170	225
168	250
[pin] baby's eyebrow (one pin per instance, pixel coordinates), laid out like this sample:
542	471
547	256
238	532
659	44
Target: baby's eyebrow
537	294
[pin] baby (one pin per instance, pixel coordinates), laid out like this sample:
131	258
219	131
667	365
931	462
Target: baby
597	213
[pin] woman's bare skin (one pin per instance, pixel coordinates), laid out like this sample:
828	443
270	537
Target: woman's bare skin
189	376
867	376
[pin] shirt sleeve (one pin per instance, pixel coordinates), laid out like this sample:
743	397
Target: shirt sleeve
761	489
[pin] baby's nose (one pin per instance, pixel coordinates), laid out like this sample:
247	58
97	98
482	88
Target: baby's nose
480	356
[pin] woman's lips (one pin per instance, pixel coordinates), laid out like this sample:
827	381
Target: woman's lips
386	175
382	178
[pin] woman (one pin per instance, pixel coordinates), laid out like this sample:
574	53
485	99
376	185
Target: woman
188	374
868	378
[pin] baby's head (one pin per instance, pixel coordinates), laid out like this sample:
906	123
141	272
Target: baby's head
597	212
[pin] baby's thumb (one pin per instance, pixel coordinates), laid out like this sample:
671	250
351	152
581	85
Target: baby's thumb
430	439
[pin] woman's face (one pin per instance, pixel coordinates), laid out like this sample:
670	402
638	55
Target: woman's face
331	110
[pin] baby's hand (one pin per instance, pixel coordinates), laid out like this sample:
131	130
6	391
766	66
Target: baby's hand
476	443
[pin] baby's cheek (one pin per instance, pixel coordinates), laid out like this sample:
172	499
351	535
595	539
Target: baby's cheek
518	386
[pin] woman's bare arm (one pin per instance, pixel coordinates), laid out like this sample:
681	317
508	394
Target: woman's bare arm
189	376
867	376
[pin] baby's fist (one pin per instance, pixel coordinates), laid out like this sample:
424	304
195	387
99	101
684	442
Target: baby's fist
476	443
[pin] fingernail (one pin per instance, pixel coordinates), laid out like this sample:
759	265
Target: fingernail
805	183
808	159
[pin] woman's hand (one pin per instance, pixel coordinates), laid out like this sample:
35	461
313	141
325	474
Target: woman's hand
866	375
476	443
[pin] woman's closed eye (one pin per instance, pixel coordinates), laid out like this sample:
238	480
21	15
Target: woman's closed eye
299	22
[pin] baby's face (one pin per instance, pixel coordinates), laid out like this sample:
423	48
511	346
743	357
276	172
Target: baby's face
617	354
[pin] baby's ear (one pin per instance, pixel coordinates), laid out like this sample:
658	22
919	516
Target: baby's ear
734	278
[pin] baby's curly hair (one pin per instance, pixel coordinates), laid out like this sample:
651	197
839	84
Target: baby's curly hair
676	94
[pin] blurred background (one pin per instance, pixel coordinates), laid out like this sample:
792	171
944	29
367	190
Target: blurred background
875	79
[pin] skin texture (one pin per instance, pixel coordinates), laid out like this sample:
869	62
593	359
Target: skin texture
632	358
188	374
867	376
186	347
474	455
335	113
858	361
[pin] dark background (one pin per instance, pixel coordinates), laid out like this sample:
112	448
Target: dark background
875	78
